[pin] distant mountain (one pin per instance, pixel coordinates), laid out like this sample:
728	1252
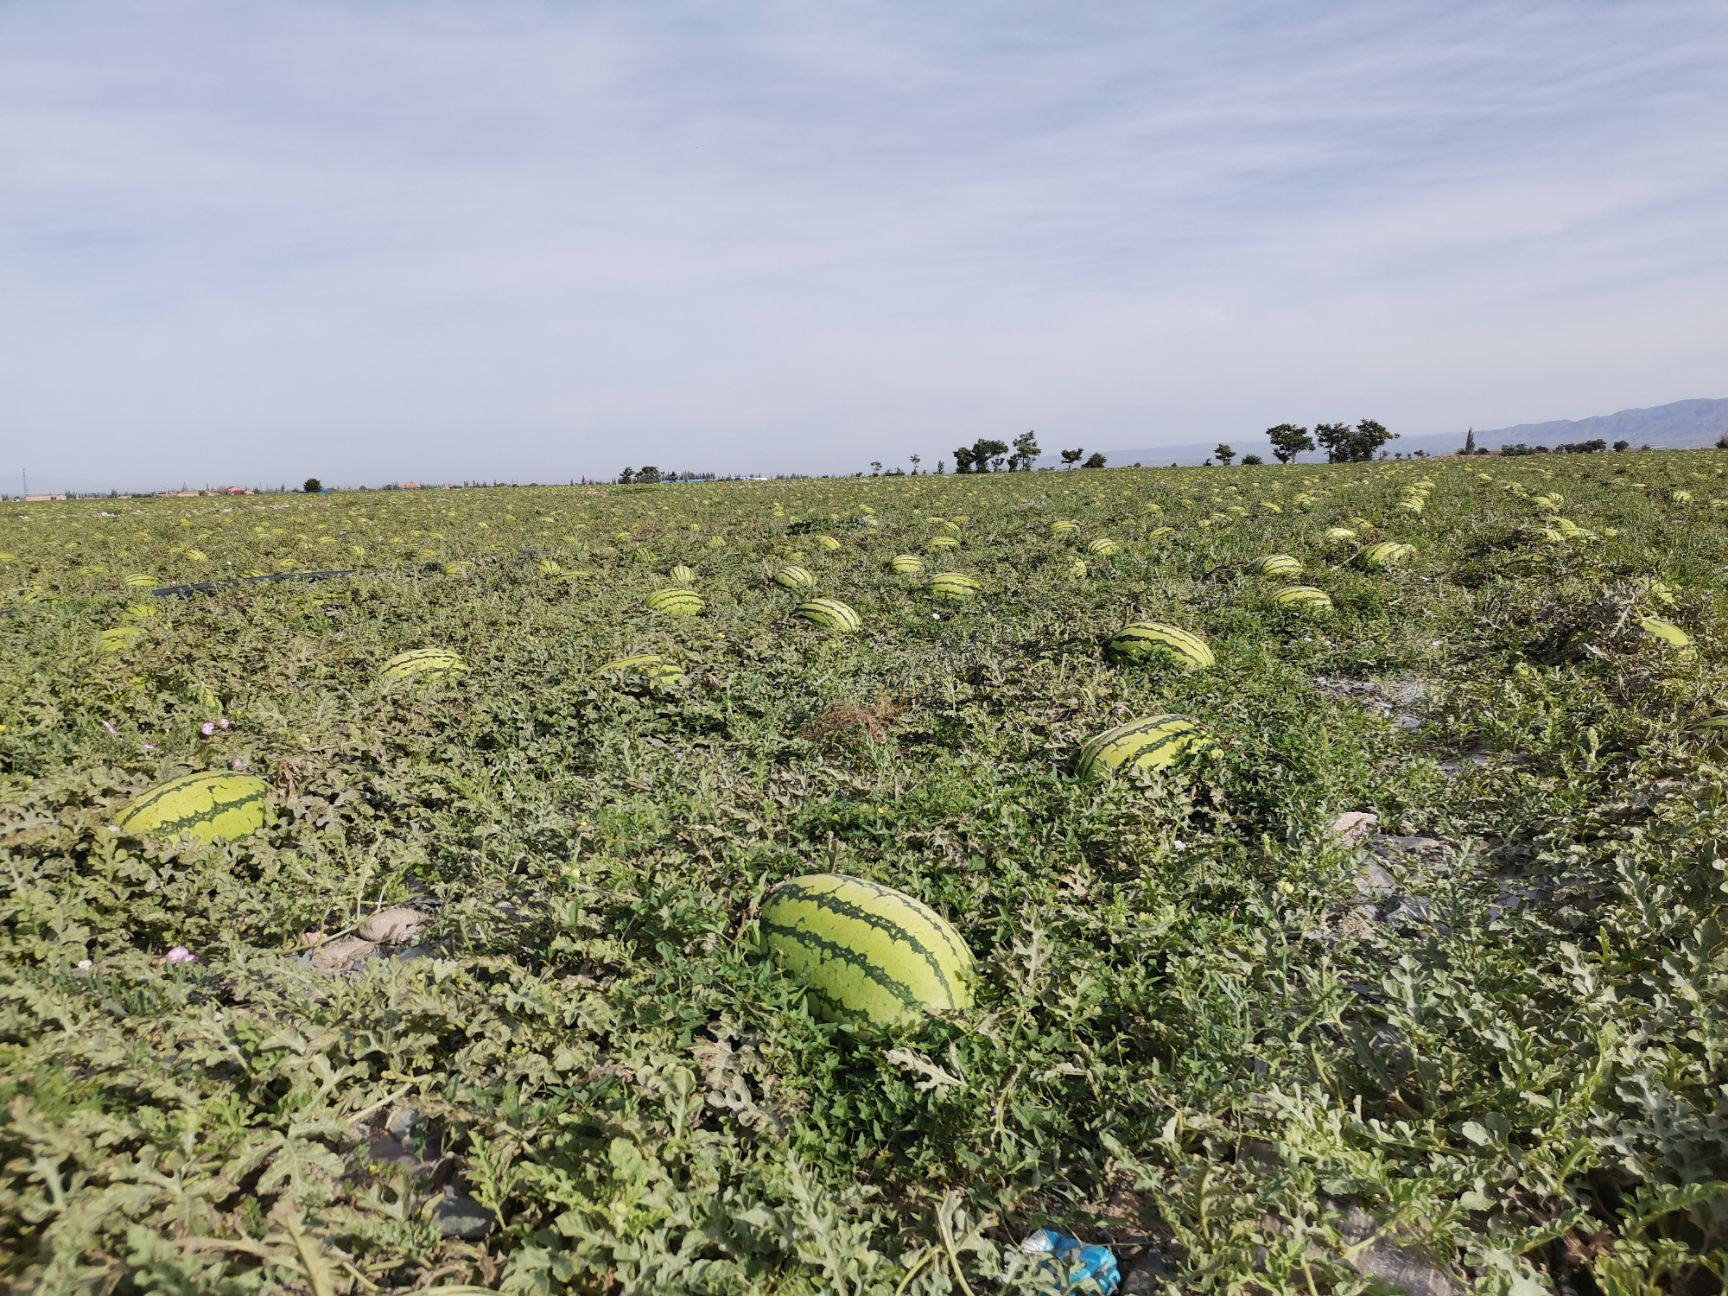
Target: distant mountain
1677	425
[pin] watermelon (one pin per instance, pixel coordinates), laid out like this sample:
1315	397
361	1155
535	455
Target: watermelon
676	602
954	586
1304	598
423	661
648	668
1152	743
1142	639
794	577
1388	553
1279	565
1103	547
119	639
865	952
830	614
941	542
828	542
212	806
1063	527
682	574
906	564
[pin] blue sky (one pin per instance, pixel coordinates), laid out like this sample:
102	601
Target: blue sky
378	241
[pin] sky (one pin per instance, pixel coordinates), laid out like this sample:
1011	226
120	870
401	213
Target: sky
445	241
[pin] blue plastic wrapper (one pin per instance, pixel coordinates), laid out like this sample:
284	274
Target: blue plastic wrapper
1074	1265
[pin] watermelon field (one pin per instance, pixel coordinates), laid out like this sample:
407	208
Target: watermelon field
1296	879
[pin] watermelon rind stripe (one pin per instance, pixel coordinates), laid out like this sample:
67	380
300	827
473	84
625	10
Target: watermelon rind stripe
849	956
898	933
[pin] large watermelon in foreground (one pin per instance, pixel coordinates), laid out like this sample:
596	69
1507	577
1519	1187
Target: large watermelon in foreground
212	806
866	951
1154	743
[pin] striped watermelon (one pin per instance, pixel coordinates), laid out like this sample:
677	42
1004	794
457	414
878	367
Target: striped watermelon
1157	639
682	574
827	542
1159	532
676	602
211	806
423	661
830	614
1063	527
144	610
138	580
548	567
1077	569
119	639
649	668
1152	743
1279	565
794	577
906	564
1304	598
1103	547
866	952
954	587
941	542
1338	534
1388	553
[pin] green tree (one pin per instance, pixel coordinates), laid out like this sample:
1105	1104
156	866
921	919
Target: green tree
875	467
1095	460
312	486
1288	441
1026	449
988	454
627	476
916	460
1249	460
1470	441
1346	444
962	459
1622	445
1224	454
1072	457
648	473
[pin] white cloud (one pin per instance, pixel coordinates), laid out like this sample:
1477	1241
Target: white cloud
456	240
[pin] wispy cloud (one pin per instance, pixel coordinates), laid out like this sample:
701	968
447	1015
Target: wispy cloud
452	240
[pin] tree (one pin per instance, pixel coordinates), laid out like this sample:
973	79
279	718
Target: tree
1346	444
962	459
1072	457
648	473
1095	460
1224	454
1026	449
941	467
875	467
1470	442
988	454
916	460
1288	441
1622	445
313	486
627	476
1249	460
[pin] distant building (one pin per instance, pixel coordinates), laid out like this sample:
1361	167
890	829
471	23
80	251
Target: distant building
44	499
180	494
238	490
410	485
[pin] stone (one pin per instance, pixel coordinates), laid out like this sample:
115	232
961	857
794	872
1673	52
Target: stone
1353	826
459	1216
343	955
394	926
